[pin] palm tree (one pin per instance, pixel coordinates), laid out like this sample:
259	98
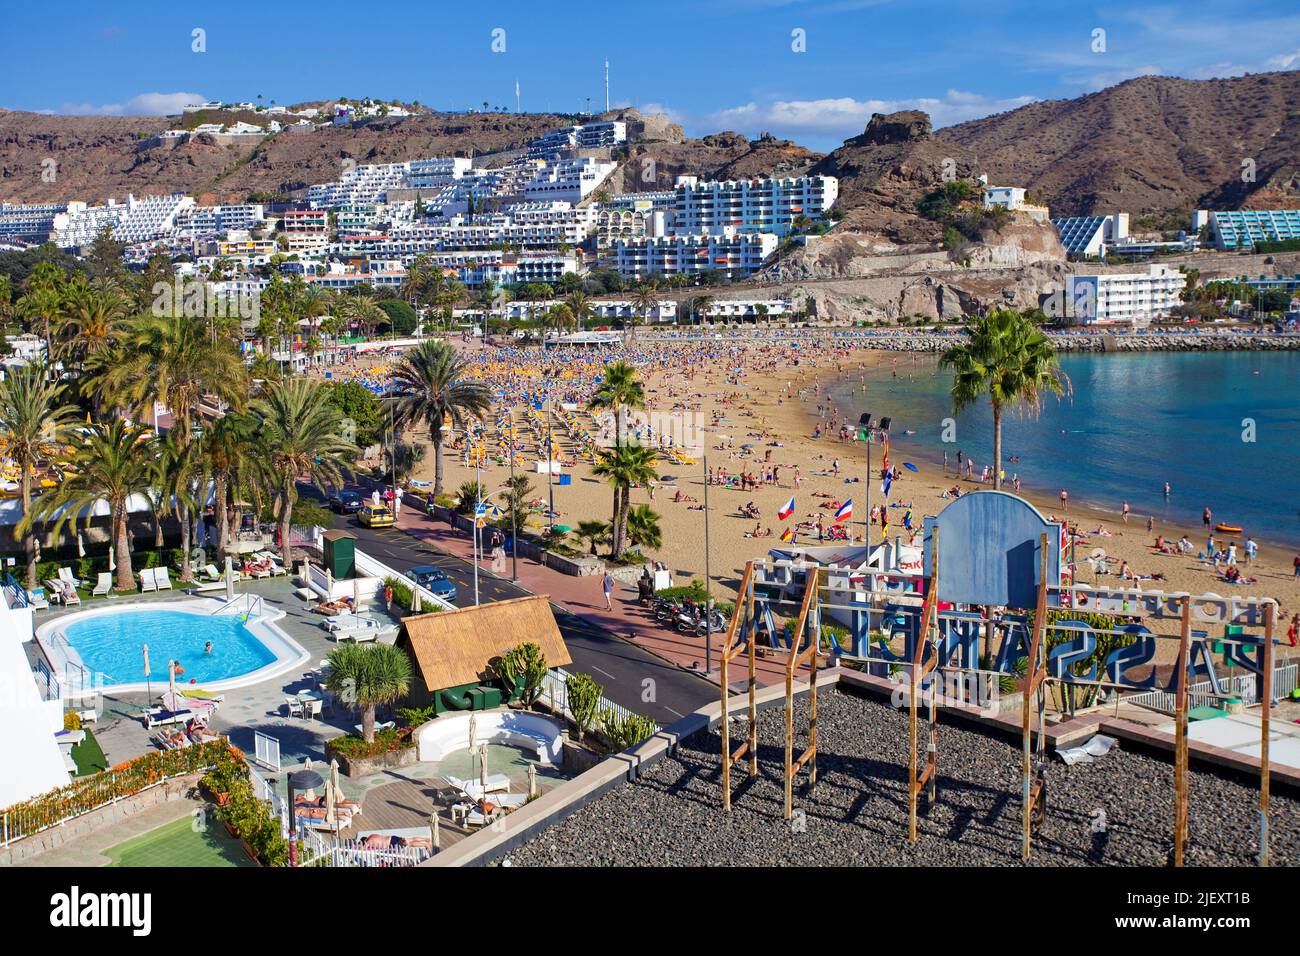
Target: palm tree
88	322
431	386
300	437
643	528
624	467
619	390
233	461
700	305
645	298
1007	357
593	532
368	675
112	463
579	308
34	421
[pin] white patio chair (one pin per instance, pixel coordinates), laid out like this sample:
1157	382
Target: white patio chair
162	580
104	584
147	580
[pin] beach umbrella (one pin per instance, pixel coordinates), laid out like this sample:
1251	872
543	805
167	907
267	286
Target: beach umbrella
532	780
435	837
482	767
112	560
473	726
147	687
330	797
334	776
911	467
81	546
171	678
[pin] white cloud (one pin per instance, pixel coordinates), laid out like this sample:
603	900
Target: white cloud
845	116
145	104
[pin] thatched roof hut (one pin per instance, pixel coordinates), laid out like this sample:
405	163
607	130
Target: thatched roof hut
452	649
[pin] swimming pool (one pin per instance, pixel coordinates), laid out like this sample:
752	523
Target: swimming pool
109	643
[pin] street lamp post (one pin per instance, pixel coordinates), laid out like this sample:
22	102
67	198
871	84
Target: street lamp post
514	521
864	423
708	581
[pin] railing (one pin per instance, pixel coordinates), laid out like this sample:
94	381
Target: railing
87	794
1201	694
18	592
556	693
253	604
316	850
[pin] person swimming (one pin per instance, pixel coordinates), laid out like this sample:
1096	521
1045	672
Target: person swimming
207	648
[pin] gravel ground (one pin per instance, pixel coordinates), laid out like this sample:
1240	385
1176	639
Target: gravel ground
857	815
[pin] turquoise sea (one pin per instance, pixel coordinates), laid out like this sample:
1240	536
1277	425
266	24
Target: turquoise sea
1222	428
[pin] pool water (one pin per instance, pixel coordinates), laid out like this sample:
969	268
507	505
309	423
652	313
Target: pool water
111	644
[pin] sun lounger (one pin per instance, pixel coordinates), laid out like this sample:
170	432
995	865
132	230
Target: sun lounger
198	693
269	560
162	579
172	739
257	570
496	783
65	592
69	764
36	599
69	738
208	587
147	581
158	717
65	574
385	725
210	572
104	584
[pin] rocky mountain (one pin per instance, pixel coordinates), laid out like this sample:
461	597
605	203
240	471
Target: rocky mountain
1150	145
98	157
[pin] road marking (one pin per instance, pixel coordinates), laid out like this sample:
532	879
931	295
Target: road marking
671	711
606	673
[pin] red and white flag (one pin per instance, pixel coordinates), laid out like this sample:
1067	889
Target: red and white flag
787	509
845	512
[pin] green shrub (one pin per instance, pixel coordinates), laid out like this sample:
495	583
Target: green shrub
522	669
584	698
624	732
386	741
401	592
415	716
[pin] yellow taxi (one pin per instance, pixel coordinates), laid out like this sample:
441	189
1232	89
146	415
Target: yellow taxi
375	516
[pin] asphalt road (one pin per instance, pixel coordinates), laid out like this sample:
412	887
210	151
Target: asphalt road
621	666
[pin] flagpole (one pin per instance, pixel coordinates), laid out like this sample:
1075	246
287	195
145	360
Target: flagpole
478	505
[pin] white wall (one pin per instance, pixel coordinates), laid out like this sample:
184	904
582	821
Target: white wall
32	762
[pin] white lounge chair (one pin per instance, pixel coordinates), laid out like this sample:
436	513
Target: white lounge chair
385	725
210	572
158	716
361	627
207	587
36	599
65	574
268	558
64	591
104	585
162	580
147	581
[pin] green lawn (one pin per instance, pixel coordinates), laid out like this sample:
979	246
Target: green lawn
88	755
176	844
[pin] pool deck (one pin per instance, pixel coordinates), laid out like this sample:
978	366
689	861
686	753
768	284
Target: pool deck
246	710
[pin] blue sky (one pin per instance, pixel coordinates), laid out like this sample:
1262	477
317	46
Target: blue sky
725	64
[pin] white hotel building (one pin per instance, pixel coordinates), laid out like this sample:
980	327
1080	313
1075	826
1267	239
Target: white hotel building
751	205
1124	296
731	253
570	180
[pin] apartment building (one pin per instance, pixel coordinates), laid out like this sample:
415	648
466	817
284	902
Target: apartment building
1120	297
359	186
30	222
751	205
597	134
732	253
569	180
1090	236
211	220
432	173
1243	228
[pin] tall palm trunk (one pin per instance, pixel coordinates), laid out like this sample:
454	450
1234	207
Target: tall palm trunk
368	723
435	438
122	549
29	539
997	446
187	537
286	517
223	526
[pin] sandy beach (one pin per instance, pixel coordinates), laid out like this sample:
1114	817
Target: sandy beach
761	397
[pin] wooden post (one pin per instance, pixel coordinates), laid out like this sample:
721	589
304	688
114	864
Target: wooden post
1033	678
1180	733
742	621
928	611
752	638
1266	704
725	729
812	694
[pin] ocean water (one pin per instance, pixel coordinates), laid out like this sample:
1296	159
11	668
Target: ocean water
110	644
1222	428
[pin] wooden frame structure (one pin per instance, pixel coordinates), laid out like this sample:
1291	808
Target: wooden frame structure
742	620
807	630
1034	760
921	668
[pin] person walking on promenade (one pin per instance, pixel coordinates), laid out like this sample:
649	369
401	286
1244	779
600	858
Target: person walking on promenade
607	585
